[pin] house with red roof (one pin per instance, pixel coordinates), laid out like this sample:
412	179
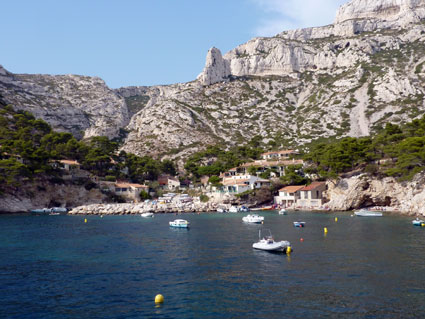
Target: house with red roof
311	196
289	195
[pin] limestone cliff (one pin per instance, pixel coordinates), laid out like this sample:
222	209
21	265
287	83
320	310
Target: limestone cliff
43	194
364	191
82	105
344	79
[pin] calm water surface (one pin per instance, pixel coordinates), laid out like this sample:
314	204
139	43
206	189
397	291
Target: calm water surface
112	267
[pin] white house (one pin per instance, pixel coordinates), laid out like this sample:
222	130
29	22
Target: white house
241	183
289	195
278	155
276	166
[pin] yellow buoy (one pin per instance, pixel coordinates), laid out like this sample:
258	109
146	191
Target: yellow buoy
262	222
423	224
85	220
159	298
336	219
325	230
288	249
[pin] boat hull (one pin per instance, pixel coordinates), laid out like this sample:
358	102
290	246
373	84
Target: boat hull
179	226
253	219
299	224
418	222
367	214
275	246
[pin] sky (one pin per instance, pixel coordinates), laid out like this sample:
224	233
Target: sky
141	42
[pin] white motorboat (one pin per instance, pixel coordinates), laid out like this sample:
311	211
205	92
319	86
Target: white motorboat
418	222
283	212
253	219
269	244
179	223
147	214
233	209
367	213
221	210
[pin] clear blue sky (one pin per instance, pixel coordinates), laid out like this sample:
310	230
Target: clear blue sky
141	42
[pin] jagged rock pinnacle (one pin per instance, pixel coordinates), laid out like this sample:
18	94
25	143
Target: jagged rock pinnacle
216	68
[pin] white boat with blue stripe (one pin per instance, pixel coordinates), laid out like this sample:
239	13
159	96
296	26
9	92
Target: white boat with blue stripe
179	223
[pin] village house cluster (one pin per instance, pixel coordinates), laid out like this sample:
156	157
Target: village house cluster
235	181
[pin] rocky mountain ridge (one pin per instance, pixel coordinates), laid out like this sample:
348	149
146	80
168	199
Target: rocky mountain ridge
82	105
345	79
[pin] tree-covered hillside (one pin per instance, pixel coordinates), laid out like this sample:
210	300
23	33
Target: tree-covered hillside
28	146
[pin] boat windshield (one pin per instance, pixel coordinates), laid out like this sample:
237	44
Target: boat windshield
265	234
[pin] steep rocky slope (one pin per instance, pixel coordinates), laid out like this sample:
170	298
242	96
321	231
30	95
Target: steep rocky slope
82	105
344	79
365	191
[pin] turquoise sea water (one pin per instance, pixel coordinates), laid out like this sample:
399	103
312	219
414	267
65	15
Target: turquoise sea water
112	267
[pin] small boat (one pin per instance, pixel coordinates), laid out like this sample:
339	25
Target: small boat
267	243
50	211
179	223
59	210
418	222
233	209
244	209
147	214
253	219
41	211
221	210
299	224
367	213
283	212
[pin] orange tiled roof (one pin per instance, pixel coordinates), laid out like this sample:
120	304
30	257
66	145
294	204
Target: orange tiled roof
313	186
69	162
291	189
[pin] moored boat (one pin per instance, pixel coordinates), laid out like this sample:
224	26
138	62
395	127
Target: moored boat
283	211
299	224
267	243
234	209
418	222
179	223
41	211
253	219
367	213
147	214
50	211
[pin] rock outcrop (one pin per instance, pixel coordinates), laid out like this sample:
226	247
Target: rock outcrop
402	12
278	56
40	195
364	191
216	68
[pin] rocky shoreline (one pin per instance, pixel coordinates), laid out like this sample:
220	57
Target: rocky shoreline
139	208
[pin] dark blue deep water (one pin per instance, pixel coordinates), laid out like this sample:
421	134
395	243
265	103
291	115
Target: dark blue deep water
112	267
